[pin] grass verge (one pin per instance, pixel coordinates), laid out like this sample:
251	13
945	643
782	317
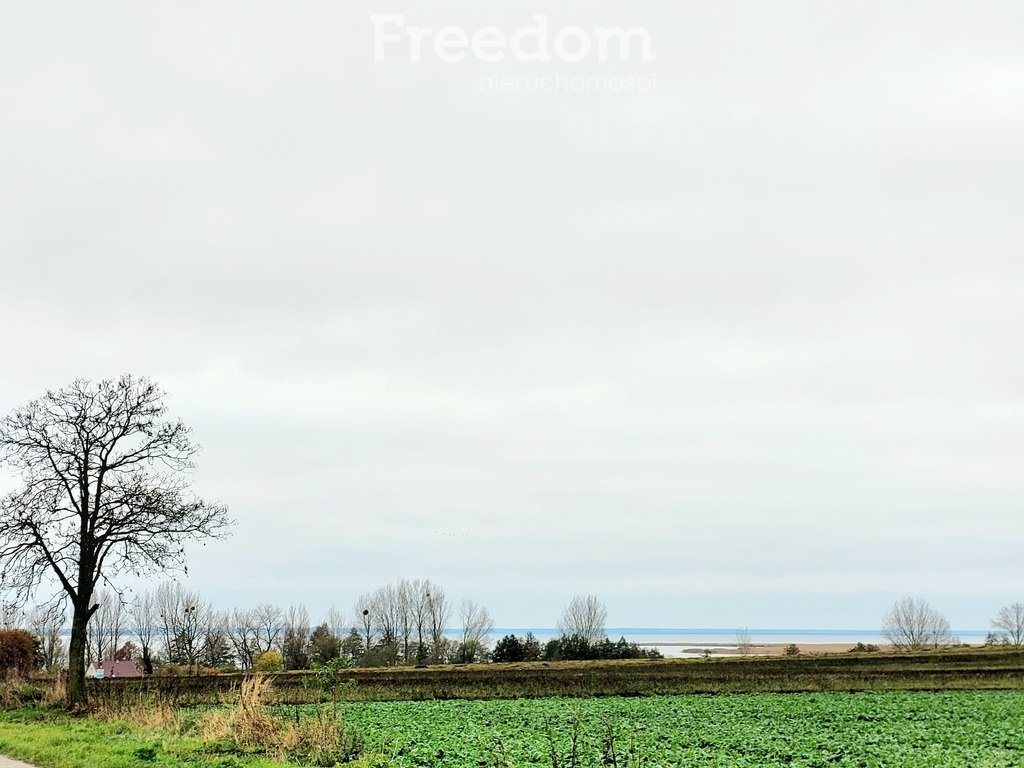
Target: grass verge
51	738
245	735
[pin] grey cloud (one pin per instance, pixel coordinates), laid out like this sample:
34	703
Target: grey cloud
740	347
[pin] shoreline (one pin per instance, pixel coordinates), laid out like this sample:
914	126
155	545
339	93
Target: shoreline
759	649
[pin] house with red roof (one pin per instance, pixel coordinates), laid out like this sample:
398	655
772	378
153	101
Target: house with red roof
110	668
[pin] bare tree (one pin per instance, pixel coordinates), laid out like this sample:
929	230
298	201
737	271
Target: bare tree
913	624
145	617
586	617
476	627
166	602
48	622
364	610
405	621
386	612
244	635
420	593
107	628
295	644
336	622
439	612
105	492
184	617
269	625
743	641
1010	620
406	616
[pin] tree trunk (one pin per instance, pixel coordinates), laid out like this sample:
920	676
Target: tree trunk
77	696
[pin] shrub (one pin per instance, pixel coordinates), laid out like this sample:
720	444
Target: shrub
792	650
17	652
319	740
471	652
862	648
16	693
334	678
270	661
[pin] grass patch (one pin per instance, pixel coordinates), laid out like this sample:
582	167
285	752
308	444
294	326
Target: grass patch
241	733
51	738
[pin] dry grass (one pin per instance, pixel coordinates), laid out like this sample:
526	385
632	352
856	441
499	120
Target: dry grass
17	691
247	725
55	693
243	723
318	740
252	726
145	712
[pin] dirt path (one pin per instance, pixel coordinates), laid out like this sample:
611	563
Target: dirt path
6	762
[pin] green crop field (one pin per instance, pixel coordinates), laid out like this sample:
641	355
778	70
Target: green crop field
952	729
962	729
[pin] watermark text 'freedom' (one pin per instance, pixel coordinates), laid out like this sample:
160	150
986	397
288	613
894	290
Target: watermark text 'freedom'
532	43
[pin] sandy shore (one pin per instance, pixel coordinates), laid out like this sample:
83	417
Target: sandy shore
761	649
780	648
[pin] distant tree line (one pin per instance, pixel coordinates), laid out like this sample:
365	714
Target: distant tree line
582	636
512	648
912	624
172	630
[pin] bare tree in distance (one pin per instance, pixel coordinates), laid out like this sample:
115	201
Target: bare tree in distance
295	642
336	621
269	624
420	617
386	614
584	616
47	623
364	612
913	625
439	611
406	615
243	632
107	627
1010	620
145	619
476	626
183	615
105	492
743	641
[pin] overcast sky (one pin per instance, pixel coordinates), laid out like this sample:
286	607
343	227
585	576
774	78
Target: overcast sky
743	348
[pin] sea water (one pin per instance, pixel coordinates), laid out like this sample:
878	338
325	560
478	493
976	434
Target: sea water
676	642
